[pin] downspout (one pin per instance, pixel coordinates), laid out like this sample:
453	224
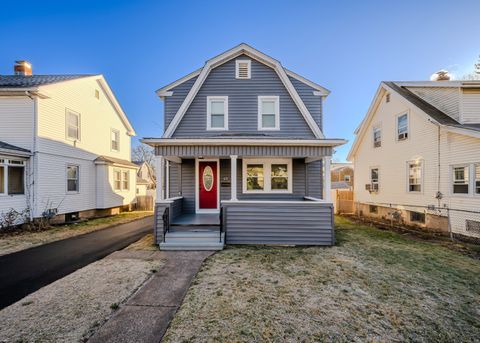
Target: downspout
34	153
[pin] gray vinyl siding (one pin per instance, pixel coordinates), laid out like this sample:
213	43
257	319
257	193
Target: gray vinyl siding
175	209
225	151
312	102
188	185
315	179
299	224
175	189
243	104
300	187
173	103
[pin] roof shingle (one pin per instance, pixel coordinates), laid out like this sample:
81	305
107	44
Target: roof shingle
25	81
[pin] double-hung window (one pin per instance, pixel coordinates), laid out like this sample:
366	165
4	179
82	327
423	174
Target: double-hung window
217	113
268	113
125	180
115	140
73	125
72	178
12	177
477	179
415	176
402	127
267	176
374	180
121	180
460	180
377	137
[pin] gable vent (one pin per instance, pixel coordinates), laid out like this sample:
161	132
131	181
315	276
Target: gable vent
242	70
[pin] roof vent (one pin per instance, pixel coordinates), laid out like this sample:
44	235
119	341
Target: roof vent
242	69
441	75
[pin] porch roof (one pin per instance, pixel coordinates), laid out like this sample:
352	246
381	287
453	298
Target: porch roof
243	147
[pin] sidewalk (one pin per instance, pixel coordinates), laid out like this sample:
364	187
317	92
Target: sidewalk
147	314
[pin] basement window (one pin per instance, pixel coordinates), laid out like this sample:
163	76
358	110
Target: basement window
373	209
243	69
418	217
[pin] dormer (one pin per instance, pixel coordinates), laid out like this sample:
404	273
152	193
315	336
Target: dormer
470	105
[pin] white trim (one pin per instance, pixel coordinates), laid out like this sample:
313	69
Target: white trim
181	80
228	55
422	167
67	125
239	141
117	132
233	177
267	178
397	116
165	94
276	100
237	69
327	178
197	186
323	91
308	202
470	183
6	164
77	179
378	179
210	99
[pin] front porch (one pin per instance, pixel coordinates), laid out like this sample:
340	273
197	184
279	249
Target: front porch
275	193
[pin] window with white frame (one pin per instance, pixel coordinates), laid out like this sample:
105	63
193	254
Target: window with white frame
117	179
374	180
477	179
242	69
72	178
346	178
402	127
460	180
73	125
268	113
415	176
377	137
121	180
267	176
126	180
217	113
12	177
115	140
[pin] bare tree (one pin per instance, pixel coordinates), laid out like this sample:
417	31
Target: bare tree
143	153
475	74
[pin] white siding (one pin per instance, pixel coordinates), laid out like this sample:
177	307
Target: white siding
446	99
55	151
16	121
392	157
471	107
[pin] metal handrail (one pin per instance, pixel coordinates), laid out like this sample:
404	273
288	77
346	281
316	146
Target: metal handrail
166	222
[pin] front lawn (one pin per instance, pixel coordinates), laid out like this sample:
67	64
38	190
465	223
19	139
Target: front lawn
16	241
372	286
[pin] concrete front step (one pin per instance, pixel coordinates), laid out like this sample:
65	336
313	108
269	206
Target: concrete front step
193	241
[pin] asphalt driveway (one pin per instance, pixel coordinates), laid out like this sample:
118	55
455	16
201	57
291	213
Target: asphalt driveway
26	271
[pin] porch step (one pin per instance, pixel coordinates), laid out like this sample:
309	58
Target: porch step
193	240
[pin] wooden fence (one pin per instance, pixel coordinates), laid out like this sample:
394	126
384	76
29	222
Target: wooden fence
144	203
342	200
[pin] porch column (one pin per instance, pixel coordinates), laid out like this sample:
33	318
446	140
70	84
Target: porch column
327	184
167	179
160	175
233	176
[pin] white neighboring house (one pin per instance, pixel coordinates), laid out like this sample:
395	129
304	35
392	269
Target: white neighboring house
64	146
417	148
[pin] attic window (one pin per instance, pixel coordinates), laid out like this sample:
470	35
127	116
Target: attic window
387	97
97	94
242	69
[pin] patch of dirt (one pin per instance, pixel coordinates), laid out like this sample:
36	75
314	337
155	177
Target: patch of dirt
72	308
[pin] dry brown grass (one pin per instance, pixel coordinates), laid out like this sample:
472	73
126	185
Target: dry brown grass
146	243
373	286
17	241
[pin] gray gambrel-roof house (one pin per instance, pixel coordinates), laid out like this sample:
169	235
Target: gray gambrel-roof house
243	159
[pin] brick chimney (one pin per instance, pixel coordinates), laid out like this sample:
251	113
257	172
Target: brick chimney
22	68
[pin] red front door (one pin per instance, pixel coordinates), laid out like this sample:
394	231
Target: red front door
207	173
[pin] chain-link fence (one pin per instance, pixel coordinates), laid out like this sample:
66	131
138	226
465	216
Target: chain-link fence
457	222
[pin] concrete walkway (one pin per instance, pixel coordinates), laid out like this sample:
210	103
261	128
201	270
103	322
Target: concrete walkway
26	271
146	315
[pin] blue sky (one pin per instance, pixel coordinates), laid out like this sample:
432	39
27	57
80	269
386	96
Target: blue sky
346	46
